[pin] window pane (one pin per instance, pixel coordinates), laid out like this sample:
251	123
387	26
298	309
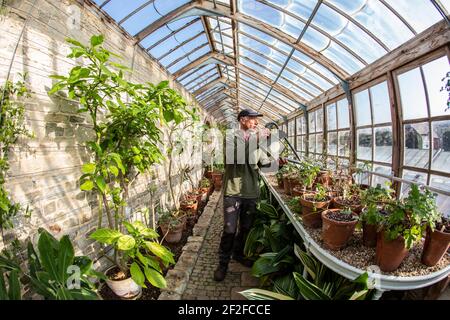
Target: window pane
412	95
383	144
343	114
380	103
319	142
381	180
332	143
312	143
362	105
344	143
312	122
434	72
300	146
331	116
416	145
364	144
319	120
440	182
441	146
300	129
416	177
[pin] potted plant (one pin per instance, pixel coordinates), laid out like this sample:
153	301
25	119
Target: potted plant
350	198
437	242
312	206
337	227
52	271
374	200
172	224
217	176
403	227
205	188
139	258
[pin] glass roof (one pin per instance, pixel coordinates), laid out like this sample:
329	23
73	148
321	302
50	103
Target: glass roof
268	55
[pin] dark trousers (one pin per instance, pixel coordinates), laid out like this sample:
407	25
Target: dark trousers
236	211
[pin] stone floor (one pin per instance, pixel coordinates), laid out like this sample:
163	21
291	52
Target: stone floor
201	285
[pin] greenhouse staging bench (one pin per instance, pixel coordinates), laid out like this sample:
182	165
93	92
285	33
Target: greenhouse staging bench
382	282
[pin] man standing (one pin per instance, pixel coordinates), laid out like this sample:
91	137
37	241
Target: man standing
241	189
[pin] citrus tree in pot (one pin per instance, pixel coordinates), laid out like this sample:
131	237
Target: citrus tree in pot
125	118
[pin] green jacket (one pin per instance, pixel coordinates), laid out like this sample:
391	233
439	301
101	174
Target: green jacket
241	175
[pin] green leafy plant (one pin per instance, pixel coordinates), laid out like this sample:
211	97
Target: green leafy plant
126	119
321	193
12	124
205	183
320	283
141	252
53	265
411	216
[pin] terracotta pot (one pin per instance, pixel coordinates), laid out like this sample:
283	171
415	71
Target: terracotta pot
280	182
286	186
390	254
435	247
311	211
175	233
298	191
324	178
335	234
337	204
125	289
189	207
292	184
208	174
217	180
369	235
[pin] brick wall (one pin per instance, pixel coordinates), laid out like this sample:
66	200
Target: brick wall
45	170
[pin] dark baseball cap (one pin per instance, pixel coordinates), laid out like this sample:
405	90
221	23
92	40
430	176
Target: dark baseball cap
248	113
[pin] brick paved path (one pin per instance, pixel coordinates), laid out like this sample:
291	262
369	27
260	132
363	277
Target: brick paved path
201	285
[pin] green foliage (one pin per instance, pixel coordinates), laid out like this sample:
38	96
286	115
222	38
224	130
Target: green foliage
141	253
205	183
321	193
324	284
374	199
261	294
12	124
410	217
126	119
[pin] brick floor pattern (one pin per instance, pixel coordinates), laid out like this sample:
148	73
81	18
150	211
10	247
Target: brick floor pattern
201	285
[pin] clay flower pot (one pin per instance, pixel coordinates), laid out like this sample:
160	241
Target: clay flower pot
369	234
335	234
217	180
190	205
435	246
390	253
298	191
324	178
208	174
293	182
312	210
339	203
280	181
286	186
174	234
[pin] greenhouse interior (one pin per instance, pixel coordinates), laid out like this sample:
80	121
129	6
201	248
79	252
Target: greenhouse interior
225	150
